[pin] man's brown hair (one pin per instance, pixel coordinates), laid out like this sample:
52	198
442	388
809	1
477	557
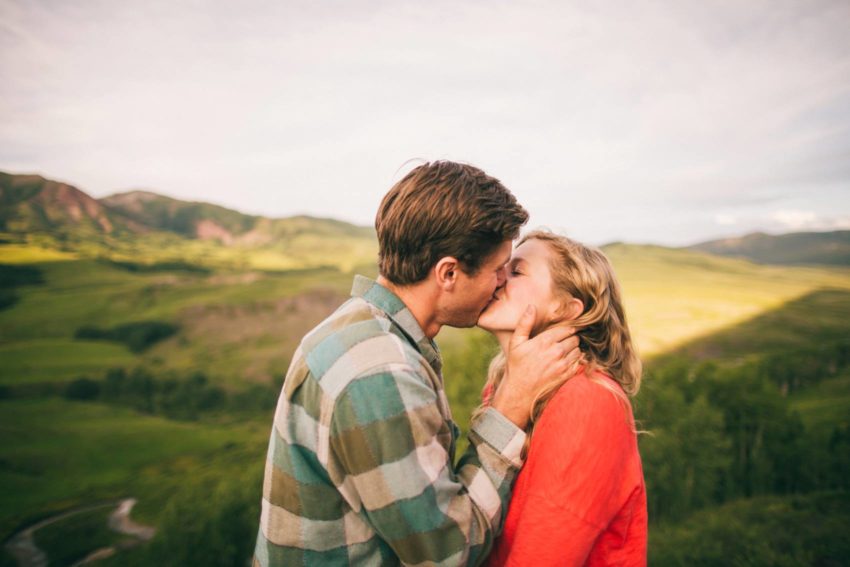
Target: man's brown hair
443	209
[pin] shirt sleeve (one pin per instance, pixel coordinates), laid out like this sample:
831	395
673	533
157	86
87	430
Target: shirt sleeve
577	463
391	445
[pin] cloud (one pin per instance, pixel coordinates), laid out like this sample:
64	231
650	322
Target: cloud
640	122
795	220
809	220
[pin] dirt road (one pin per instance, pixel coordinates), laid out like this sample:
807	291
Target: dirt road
23	548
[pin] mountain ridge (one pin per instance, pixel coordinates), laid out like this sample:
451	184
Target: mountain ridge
795	248
149	228
31	202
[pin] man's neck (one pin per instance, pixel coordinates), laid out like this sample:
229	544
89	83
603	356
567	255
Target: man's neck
420	301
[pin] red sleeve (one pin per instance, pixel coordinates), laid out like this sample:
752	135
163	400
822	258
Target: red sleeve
575	483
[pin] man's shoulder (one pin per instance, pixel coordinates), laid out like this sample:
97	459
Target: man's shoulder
356	339
354	315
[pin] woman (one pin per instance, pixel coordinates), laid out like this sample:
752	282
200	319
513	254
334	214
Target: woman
580	497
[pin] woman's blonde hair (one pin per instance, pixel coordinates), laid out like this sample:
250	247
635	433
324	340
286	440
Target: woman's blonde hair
584	273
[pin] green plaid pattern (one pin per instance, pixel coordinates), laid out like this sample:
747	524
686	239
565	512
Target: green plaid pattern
360	467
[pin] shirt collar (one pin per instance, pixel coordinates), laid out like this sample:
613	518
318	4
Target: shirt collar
388	302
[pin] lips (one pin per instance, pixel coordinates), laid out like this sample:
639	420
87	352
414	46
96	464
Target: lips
490	303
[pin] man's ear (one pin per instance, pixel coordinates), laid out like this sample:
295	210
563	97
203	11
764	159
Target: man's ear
446	272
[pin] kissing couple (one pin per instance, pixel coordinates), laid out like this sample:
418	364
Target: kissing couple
361	466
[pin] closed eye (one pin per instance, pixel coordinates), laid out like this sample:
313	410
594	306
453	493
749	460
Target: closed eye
514	267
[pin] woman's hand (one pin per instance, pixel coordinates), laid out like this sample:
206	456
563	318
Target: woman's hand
532	363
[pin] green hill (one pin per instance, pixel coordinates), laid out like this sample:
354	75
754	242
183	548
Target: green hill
205	221
673	295
150	229
193	220
807	321
795	248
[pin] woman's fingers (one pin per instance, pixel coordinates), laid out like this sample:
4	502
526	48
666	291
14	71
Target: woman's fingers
570	346
556	334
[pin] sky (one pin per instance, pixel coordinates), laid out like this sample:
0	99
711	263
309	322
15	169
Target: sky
664	122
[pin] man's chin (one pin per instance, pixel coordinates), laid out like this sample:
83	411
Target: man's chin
465	321
462	324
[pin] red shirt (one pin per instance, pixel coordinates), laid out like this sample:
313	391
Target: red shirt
580	498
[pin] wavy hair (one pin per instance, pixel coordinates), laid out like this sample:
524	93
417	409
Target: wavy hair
583	272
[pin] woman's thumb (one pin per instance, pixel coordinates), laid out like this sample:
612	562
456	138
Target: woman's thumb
524	326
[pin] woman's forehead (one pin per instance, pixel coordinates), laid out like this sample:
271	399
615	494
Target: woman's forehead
530	249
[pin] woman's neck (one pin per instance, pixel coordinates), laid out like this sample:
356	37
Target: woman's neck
504	338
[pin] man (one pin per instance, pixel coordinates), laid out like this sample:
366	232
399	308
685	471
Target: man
361	467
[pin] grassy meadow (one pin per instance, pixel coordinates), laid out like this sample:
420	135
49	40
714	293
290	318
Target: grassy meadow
75	430
231	324
58	454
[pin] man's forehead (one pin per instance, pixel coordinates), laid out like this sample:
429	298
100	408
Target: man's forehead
499	256
503	254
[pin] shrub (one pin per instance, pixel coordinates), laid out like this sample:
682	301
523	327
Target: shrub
83	389
138	336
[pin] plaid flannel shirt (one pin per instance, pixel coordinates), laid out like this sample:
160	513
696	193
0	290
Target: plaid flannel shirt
360	467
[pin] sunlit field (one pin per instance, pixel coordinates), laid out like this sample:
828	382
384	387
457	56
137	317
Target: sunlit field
673	296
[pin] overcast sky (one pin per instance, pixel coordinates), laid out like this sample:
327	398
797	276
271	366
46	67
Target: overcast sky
668	122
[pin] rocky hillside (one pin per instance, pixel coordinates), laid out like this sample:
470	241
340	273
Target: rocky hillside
31	203
212	222
142	226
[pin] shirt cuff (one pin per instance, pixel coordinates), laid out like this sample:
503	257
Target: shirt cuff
502	434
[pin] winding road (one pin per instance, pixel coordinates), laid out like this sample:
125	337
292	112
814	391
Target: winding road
23	548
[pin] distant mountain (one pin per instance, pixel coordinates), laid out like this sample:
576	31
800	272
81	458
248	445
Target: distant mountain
795	248
31	203
193	220
212	222
146	226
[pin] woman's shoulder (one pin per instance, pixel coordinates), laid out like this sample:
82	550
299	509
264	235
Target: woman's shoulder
588	413
592	405
595	389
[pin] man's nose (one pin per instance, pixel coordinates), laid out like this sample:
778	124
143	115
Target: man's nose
502	278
